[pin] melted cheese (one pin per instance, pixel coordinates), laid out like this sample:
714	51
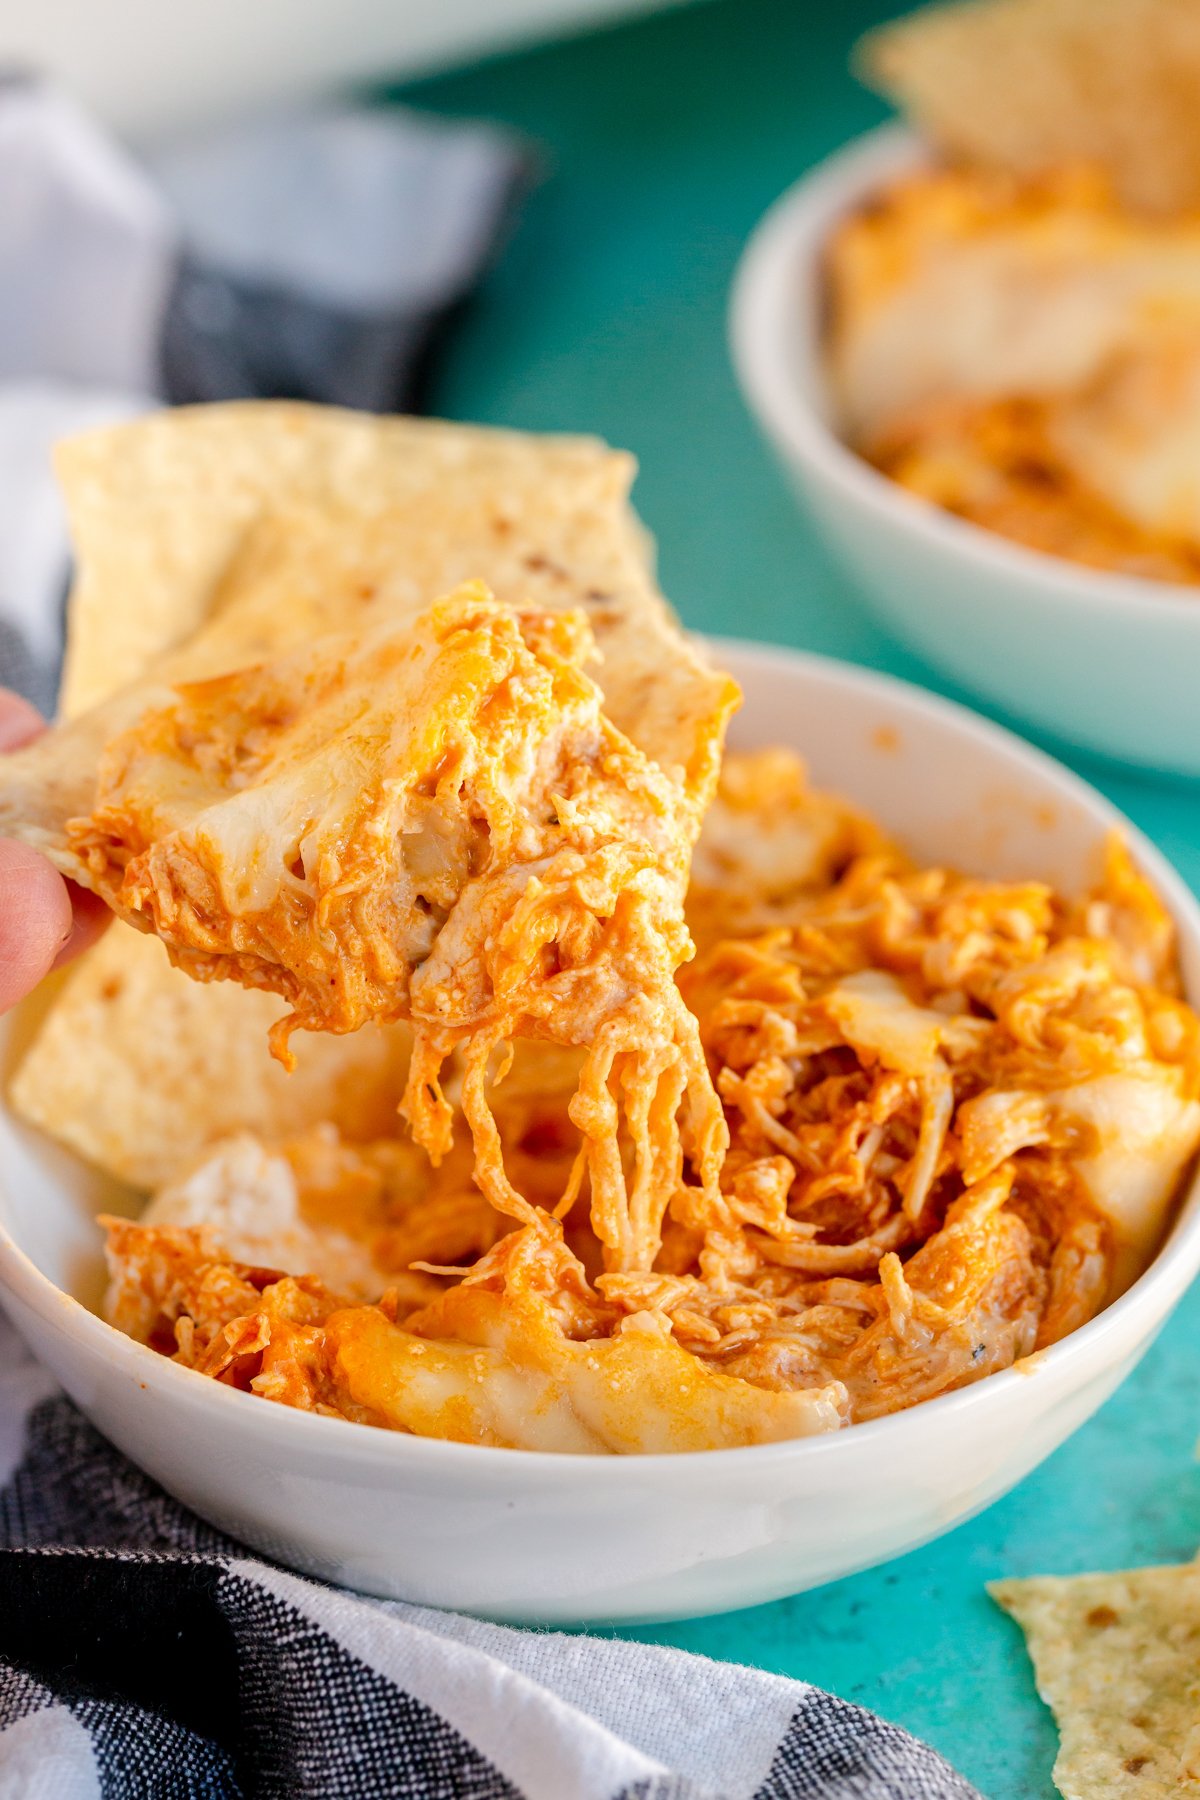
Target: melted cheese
1027	355
957	281
1141	1131
958	1112
513	1378
434	821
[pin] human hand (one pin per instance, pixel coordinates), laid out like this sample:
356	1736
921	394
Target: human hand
44	920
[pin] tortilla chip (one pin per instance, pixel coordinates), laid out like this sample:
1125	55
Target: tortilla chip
159	510
209	537
366	514
1117	1658
140	1069
1028	85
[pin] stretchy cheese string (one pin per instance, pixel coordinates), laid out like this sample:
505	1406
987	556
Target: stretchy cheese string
644	1078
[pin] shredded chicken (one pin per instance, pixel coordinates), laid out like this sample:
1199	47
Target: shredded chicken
435	821
958	1112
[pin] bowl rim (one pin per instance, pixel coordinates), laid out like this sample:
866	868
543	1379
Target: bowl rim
772	330
1132	1318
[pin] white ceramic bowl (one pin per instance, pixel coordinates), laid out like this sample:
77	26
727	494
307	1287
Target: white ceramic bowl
1100	660
526	1536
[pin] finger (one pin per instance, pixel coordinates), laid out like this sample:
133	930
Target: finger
19	722
35	920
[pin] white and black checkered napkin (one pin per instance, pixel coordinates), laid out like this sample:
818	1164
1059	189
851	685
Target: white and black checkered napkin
312	255
143	1655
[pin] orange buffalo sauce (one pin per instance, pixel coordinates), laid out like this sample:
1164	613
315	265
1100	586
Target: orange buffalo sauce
957	1113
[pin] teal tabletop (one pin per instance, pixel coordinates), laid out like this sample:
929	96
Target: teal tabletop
661	142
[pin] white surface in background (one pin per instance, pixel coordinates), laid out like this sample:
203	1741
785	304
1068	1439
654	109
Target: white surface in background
149	66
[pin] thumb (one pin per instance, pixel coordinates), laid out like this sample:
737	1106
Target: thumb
35	920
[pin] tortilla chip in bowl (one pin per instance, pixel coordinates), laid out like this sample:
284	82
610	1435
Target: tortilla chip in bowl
1028	86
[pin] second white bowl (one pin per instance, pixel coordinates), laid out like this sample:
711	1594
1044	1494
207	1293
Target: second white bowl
1100	660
